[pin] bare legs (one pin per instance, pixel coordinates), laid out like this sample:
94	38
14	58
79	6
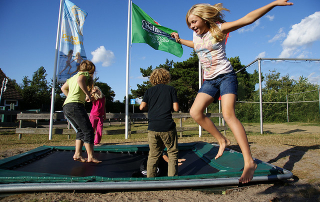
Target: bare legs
228	103
201	102
78	152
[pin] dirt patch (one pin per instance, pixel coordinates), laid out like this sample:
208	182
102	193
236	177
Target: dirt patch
293	147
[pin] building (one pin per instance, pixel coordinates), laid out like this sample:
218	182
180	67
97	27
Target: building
10	97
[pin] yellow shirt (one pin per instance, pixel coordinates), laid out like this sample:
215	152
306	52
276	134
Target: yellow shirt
75	93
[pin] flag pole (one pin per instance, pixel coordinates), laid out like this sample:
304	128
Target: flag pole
55	69
127	72
200	84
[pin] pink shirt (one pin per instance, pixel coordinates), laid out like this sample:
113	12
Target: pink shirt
98	107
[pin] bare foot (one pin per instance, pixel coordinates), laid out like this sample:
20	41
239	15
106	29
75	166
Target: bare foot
93	160
79	158
222	146
248	172
180	161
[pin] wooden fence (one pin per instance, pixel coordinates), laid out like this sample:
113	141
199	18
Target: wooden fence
36	127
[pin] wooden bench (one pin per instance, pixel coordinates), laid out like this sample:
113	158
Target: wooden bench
119	117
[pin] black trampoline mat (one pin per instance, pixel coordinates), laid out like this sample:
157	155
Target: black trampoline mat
114	164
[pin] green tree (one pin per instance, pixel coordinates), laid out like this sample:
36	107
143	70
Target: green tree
184	78
59	96
246	81
146	84
35	92
278	89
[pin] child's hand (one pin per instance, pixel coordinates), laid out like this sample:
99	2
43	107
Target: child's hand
283	3
175	35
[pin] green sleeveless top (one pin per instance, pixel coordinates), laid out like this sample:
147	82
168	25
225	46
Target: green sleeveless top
75	93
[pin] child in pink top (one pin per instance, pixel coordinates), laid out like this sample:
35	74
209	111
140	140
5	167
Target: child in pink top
97	114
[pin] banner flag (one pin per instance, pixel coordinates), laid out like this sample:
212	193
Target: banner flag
147	30
72	51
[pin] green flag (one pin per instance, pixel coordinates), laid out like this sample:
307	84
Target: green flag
146	30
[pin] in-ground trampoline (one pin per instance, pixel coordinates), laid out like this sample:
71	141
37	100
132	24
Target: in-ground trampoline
51	168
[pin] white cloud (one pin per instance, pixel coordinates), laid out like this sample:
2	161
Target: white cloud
261	55
250	28
301	35
314	78
106	57
270	17
278	36
143	78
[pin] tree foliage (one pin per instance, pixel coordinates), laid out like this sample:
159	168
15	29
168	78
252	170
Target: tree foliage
35	92
184	78
282	98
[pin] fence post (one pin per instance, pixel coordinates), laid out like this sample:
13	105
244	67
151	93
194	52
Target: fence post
37	119
180	124
20	126
287	98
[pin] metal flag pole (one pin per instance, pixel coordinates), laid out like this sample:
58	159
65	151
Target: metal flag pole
200	83
55	69
260	95
127	72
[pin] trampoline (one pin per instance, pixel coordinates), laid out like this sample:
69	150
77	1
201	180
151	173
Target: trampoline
51	168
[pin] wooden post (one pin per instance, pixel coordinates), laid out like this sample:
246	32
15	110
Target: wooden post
20	126
37	119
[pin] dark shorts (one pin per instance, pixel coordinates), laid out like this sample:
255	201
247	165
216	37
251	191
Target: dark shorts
221	85
79	120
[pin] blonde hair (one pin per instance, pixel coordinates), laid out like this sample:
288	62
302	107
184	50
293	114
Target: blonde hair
96	95
88	66
211	14
160	76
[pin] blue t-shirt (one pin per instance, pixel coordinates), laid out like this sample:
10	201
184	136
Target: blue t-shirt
160	99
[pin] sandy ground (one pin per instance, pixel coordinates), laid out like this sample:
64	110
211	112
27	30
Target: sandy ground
302	160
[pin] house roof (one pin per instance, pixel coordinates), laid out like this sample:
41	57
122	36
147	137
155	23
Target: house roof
11	92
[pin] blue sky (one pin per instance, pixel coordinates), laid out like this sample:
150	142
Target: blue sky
28	35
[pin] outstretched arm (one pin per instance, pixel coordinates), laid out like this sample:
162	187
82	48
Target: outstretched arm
182	41
252	16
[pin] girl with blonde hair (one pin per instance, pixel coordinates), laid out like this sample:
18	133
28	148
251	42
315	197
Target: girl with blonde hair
209	37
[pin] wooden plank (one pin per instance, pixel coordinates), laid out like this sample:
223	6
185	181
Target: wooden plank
105	132
44	131
39	116
181	129
9	112
60	115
